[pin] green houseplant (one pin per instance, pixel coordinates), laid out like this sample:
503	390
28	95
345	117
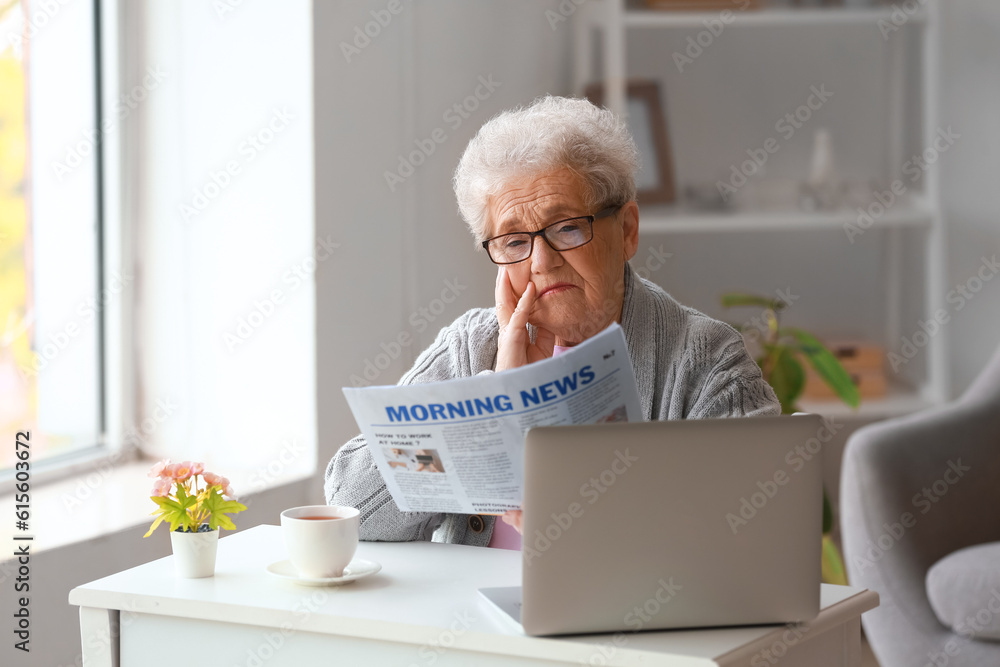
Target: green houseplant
782	353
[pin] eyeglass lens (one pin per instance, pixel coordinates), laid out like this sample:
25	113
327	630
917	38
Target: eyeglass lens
564	235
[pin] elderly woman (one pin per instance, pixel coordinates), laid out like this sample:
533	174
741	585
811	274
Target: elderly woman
549	192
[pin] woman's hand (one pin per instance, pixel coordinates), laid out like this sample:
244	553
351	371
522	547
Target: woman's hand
514	348
513	518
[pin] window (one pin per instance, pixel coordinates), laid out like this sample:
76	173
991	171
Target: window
225	238
51	289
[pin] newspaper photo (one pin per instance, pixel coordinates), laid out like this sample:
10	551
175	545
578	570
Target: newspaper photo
457	446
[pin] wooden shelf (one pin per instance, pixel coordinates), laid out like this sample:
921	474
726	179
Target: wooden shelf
775	17
896	402
675	219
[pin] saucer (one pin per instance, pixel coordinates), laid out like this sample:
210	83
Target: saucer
357	569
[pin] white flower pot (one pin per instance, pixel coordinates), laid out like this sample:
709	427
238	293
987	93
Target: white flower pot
194	553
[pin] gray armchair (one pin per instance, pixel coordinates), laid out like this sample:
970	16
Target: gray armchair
913	490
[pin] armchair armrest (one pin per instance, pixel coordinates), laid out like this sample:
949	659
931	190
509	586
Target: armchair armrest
913	490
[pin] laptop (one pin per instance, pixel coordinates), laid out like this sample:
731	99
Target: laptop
670	524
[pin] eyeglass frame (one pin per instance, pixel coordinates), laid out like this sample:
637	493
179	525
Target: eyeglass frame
603	213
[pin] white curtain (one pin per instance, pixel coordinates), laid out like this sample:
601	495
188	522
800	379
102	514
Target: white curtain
226	249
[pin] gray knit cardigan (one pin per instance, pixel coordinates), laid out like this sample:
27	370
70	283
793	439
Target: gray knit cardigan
687	366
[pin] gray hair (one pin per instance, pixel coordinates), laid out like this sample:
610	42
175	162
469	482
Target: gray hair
549	134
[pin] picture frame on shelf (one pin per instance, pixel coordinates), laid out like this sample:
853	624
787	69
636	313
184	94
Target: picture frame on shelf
647	123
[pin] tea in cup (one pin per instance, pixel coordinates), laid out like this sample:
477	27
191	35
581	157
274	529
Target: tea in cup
320	539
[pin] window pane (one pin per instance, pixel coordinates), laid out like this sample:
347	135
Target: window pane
49	350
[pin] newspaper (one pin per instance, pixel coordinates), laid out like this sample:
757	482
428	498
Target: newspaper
457	446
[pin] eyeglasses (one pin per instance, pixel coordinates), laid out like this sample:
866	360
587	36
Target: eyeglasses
563	235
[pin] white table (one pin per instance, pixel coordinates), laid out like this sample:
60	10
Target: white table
422	609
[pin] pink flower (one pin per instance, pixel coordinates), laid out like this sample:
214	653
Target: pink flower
211	479
180	471
197	468
162	487
158	469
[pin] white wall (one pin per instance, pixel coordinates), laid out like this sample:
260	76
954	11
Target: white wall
970	173
406	252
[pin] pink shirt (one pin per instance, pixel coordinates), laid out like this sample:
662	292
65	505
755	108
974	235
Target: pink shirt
504	535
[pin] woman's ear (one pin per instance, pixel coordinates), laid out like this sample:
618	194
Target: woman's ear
630	229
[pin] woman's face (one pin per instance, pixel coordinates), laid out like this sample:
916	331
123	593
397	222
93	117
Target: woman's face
579	291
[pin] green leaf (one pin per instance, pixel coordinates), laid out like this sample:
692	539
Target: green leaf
787	378
827	514
156	523
170	505
185	499
772	323
827	366
218	507
231	507
176	515
736	299
175	511
832	564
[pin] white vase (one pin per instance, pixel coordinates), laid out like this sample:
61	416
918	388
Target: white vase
194	553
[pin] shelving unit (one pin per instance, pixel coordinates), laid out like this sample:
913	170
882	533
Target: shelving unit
680	219
908	98
896	402
768	17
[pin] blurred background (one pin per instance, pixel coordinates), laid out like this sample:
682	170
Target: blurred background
215	215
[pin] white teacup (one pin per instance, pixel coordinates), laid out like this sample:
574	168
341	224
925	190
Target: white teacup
321	539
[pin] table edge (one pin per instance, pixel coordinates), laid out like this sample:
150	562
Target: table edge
556	649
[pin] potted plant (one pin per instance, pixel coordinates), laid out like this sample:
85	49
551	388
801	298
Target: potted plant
781	355
196	504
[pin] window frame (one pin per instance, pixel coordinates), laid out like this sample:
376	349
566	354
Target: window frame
115	382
